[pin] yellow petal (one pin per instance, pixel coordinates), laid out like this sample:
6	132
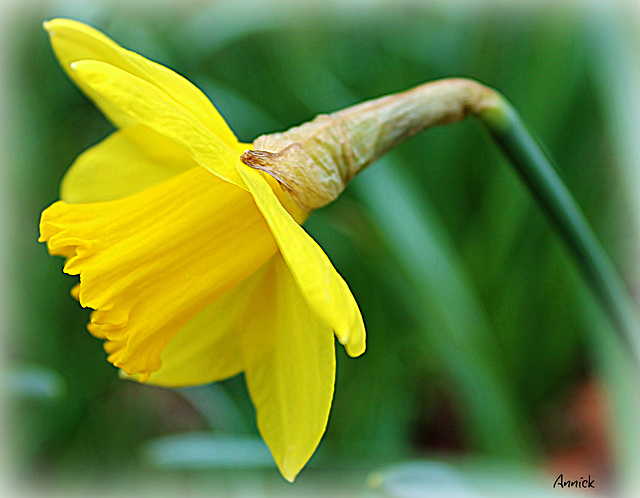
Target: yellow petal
289	359
147	105
324	289
74	41
124	163
148	263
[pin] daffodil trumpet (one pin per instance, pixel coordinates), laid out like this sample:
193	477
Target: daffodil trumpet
188	244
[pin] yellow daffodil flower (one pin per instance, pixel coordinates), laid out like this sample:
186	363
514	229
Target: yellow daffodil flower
194	263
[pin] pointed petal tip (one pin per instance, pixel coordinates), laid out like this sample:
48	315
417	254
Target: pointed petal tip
50	25
85	66
289	472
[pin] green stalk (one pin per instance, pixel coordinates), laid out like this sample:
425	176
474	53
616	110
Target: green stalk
507	129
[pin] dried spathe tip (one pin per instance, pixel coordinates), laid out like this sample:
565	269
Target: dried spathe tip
314	162
309	185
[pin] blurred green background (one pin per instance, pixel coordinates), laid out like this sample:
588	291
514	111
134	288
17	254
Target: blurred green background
484	345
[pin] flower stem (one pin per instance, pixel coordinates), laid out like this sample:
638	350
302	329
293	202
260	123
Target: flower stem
509	132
